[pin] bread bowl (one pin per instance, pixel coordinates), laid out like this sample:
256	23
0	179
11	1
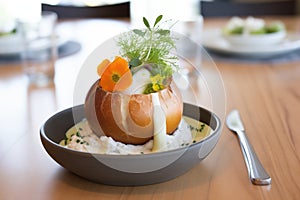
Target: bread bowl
129	118
120	103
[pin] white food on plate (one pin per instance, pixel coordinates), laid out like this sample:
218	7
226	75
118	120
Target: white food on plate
253	24
81	138
253	32
233	23
249	25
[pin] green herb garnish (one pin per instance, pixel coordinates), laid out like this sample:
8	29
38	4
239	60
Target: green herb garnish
197	129
78	134
150	48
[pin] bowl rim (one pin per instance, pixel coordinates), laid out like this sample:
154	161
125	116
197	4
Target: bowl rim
121	156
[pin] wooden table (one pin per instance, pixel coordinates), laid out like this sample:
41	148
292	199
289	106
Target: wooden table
267	96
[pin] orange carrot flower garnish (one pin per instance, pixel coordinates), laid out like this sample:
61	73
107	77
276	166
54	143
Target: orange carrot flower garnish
116	75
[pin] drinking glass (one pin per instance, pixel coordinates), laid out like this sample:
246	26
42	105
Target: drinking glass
39	48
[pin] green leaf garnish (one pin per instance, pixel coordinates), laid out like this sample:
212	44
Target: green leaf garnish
139	32
135	62
163	32
157	20
150	48
146	23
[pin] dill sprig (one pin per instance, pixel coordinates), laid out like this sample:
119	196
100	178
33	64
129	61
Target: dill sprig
150	47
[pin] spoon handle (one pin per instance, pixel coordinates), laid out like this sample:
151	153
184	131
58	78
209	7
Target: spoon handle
257	173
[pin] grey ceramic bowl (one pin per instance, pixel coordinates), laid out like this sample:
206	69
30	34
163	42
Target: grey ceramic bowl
127	170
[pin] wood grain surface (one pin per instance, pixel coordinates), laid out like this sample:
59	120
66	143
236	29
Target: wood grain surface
266	94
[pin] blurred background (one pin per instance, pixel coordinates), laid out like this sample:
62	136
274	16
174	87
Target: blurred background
206	7
121	8
220	7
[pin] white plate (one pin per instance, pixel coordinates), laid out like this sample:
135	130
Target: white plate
213	40
12	44
258	40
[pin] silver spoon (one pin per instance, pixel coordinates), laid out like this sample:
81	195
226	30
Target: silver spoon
257	173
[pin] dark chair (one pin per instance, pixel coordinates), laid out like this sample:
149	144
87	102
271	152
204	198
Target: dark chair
103	11
231	8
